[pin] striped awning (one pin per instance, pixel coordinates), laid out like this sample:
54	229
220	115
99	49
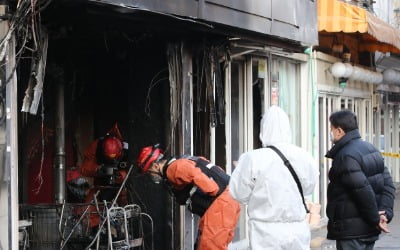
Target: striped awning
376	35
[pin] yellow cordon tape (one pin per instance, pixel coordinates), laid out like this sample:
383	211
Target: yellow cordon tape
395	155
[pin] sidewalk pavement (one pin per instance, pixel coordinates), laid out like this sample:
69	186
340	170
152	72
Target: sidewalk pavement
389	241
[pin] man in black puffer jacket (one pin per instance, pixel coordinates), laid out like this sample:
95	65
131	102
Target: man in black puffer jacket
361	191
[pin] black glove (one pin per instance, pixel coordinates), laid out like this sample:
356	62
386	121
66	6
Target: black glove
78	187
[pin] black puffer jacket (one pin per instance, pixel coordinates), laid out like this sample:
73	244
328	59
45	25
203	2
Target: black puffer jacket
360	186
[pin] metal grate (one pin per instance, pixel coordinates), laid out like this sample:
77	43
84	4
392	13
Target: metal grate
70	226
43	233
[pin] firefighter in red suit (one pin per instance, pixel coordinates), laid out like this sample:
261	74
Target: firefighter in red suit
200	185
104	162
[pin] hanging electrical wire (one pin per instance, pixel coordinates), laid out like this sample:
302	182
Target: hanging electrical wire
152	84
39	177
219	86
24	24
174	57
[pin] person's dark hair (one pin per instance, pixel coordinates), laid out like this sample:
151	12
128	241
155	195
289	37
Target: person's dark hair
344	119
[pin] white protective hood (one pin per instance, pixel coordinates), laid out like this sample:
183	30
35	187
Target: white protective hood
261	180
275	127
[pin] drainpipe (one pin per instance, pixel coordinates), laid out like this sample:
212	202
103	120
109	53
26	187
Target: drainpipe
59	158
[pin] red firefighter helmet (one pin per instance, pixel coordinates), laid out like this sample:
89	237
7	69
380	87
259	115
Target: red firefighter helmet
148	155
111	148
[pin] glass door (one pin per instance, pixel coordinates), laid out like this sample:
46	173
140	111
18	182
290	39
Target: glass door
285	91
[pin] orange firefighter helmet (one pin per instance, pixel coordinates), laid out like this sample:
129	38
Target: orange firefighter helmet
148	155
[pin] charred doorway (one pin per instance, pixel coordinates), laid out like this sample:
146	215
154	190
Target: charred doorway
111	72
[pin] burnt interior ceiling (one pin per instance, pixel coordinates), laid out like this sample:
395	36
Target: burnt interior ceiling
137	39
110	62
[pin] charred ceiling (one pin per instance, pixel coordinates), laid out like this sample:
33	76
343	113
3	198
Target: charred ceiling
94	15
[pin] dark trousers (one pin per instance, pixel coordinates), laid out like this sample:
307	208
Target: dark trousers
356	244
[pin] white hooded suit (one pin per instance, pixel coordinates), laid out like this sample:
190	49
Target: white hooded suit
261	180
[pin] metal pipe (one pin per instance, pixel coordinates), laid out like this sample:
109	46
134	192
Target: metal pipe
59	158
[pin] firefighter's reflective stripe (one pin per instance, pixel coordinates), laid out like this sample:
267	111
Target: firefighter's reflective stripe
189	200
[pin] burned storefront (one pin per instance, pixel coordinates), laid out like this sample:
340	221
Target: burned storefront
170	73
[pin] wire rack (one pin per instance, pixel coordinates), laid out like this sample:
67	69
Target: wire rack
51	224
77	225
43	232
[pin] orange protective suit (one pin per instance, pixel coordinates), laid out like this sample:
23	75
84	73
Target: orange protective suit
217	225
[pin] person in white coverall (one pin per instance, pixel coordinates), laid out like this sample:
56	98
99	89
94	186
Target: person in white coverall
277	216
